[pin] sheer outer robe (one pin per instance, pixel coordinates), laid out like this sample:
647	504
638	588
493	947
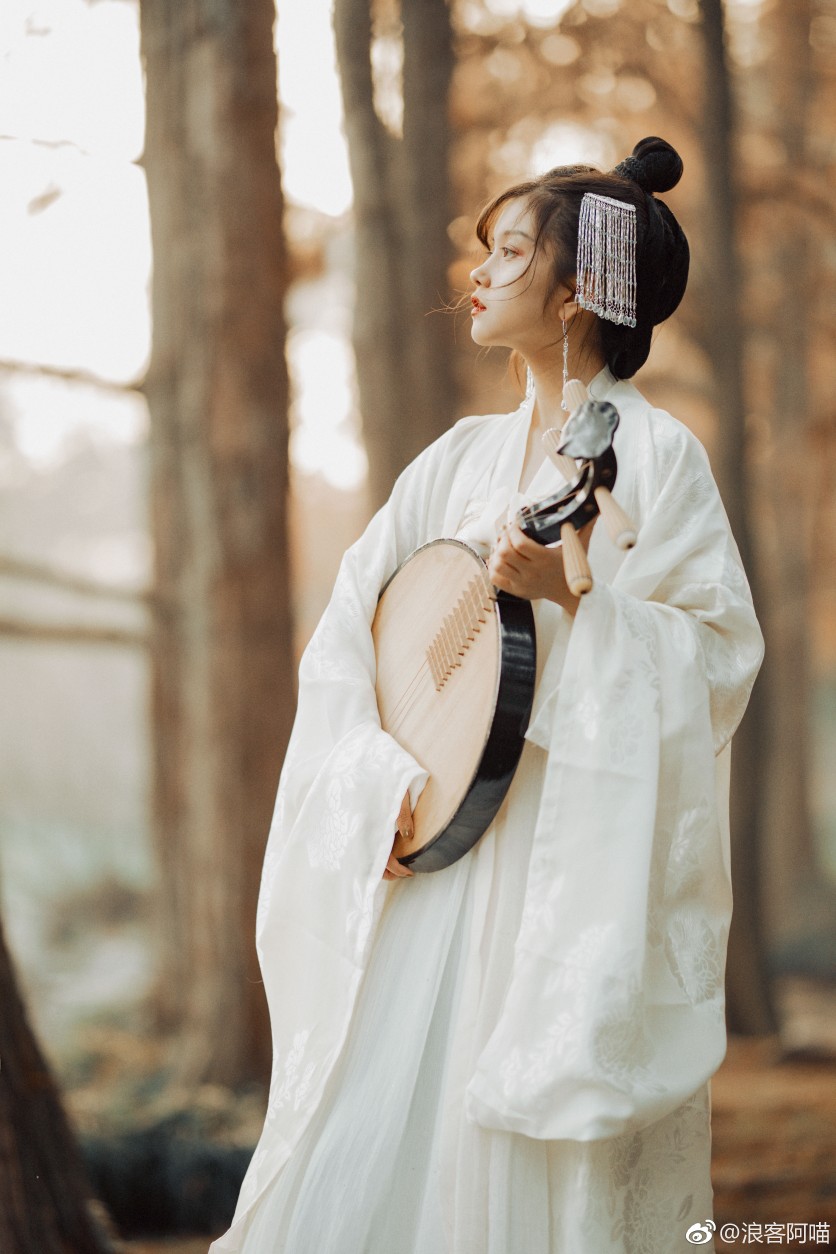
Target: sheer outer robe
614	1014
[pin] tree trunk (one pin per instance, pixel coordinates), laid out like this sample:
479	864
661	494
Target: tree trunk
401	215
800	901
426	213
43	1188
217	390
750	1003
379	331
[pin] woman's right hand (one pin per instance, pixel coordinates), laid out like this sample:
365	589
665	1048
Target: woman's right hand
404	832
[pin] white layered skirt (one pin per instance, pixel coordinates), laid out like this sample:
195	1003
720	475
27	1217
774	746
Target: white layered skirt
390	1164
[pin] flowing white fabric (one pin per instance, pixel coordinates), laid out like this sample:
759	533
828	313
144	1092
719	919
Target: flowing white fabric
587	1010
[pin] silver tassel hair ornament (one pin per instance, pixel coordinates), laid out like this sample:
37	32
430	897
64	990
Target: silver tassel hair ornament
607	258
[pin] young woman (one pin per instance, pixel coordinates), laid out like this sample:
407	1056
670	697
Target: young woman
513	1055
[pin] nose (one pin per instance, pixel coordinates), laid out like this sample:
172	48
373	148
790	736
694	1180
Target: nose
479	276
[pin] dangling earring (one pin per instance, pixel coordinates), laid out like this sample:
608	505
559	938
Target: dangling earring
529	383
563	404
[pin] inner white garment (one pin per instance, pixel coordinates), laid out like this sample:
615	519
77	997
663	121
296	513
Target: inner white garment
371	1172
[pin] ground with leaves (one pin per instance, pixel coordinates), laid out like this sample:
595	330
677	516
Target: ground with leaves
774	1125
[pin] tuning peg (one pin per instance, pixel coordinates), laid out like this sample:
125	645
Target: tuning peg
623	531
574	394
551	440
575	564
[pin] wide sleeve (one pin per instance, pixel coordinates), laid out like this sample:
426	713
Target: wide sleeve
614	1014
340	791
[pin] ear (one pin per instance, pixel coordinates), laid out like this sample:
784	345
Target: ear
568	309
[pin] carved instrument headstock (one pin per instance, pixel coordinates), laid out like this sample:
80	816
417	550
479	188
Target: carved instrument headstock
584	454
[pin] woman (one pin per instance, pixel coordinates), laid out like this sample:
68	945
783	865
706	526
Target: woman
512	1056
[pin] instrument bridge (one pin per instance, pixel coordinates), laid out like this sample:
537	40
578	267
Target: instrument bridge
448	648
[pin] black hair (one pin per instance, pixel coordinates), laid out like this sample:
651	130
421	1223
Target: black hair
662	254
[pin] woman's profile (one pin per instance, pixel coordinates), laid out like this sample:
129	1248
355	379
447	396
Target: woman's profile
513	1055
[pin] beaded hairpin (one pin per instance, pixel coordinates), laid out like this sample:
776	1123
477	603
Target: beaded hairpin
606	264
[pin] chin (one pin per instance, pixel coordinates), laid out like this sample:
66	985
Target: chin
482	337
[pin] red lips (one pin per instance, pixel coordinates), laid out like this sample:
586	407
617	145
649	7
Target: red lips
478	307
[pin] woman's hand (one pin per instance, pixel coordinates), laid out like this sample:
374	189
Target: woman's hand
404	834
524	568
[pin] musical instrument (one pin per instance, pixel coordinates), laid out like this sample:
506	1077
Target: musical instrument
588	436
456	658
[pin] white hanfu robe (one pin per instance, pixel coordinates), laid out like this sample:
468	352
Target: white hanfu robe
512	1056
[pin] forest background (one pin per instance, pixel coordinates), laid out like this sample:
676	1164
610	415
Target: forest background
172	517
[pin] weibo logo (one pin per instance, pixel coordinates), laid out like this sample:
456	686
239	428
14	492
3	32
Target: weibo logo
700	1234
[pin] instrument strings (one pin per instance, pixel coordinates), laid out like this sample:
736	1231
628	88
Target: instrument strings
408	697
448	648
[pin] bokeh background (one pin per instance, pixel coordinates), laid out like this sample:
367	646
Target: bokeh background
231	245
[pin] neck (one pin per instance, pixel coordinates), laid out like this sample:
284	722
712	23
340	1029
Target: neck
548	384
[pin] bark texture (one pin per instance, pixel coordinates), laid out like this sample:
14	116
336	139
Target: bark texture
217	391
801	902
44	1191
751	1008
402	249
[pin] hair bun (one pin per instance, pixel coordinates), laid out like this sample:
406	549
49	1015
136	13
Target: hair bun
654	165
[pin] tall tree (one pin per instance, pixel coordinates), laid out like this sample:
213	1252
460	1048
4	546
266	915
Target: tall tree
800	899
217	390
750	1004
44	1192
402	249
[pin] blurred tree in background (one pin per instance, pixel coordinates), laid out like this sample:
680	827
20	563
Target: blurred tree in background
44	1193
399	147
789	229
217	392
750	1004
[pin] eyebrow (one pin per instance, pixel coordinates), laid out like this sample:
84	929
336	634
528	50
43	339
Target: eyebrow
525	235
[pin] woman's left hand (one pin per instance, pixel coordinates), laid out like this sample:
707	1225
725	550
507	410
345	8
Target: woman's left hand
404	832
524	568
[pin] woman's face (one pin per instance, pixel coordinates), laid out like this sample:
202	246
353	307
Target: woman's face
512	286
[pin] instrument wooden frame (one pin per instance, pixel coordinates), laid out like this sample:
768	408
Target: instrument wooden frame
503	743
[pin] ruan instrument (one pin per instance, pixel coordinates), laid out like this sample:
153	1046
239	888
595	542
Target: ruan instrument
456	658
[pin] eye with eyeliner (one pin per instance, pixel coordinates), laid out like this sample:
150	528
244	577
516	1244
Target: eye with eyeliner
505	249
